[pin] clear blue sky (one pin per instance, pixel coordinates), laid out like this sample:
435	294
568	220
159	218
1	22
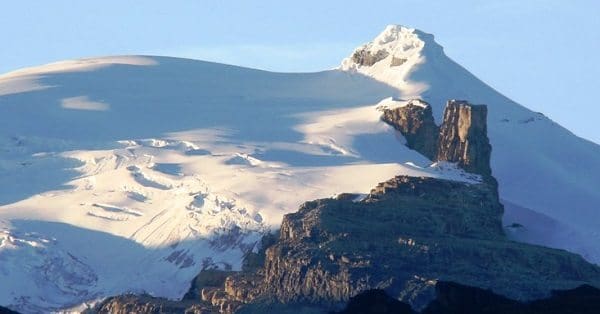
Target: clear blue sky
542	53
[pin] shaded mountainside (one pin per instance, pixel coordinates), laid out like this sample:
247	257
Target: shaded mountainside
405	237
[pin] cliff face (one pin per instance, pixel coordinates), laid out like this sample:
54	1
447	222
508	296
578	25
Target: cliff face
127	304
463	137
415	122
403	240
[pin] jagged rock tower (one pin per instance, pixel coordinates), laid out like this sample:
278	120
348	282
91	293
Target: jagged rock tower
463	137
415	122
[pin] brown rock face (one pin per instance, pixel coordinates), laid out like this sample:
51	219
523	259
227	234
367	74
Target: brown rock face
364	57
415	122
463	137
127	304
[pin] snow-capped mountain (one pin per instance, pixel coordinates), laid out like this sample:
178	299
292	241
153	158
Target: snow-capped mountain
132	173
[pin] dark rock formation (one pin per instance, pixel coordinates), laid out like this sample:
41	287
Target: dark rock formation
415	122
366	58
582	300
453	298
397	61
376	301
463	137
206	279
407	234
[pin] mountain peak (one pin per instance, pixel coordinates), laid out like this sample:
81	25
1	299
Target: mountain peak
393	56
399	34
396	45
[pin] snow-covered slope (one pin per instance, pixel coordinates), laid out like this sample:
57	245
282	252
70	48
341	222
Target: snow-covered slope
132	173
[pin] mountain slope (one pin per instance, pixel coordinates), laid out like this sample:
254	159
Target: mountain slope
141	170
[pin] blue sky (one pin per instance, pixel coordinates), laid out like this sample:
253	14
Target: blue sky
541	53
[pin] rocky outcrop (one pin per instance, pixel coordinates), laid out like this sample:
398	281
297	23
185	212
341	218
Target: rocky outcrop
366	58
407	234
127	304
207	278
415	121
463	137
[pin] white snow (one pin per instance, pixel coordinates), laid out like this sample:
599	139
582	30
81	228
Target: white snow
133	173
393	102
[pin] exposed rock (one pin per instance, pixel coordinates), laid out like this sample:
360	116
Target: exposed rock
463	137
415	121
434	207
207	278
397	61
127	304
366	58
428	228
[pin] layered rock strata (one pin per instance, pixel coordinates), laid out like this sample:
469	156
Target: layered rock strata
415	121
463	137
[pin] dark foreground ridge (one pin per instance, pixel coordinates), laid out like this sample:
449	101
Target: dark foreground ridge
420	240
453	298
4	310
